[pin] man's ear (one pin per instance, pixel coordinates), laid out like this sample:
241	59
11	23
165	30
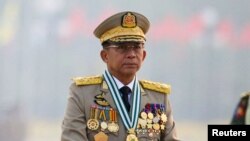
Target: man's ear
144	55
103	55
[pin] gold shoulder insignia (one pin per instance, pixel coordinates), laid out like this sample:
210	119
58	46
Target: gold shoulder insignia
155	86
91	80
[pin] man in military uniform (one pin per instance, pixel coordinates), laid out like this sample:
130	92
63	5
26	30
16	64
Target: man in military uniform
116	106
241	114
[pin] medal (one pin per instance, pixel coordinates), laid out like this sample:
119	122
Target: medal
149	126
156	126
156	119
131	135
162	127
143	115
93	124
104	125
150	115
113	127
163	117
101	137
149	120
142	122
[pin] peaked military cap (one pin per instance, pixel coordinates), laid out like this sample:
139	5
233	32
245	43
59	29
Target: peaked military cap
123	26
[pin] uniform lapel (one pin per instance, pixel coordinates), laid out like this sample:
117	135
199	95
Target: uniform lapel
108	97
144	99
107	94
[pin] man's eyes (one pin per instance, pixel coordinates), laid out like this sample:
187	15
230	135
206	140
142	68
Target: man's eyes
129	47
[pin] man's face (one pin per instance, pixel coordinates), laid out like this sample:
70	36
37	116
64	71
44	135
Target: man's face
124	59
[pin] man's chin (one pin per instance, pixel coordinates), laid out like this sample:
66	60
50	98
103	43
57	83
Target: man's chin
130	71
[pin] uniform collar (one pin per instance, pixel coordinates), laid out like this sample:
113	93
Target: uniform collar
120	84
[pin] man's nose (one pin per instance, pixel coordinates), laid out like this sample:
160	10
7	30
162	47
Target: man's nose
131	52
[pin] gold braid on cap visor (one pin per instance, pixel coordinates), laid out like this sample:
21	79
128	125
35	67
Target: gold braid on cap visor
120	33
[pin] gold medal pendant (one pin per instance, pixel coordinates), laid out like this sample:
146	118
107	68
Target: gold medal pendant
156	126
150	115
101	136
104	125
113	127
144	115
164	117
142	123
93	124
131	137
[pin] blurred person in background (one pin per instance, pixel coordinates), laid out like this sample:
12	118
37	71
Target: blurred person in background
241	114
116	106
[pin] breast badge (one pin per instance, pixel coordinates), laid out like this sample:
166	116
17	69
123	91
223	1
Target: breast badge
99	100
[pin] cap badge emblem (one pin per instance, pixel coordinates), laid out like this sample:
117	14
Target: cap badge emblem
129	20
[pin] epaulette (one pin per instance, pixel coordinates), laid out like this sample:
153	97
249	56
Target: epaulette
155	86
91	80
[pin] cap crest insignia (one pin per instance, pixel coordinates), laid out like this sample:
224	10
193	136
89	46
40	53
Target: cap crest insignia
129	20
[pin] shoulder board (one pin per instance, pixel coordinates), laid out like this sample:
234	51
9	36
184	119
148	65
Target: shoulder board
155	86
91	80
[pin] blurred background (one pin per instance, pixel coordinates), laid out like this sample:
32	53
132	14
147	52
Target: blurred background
201	48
